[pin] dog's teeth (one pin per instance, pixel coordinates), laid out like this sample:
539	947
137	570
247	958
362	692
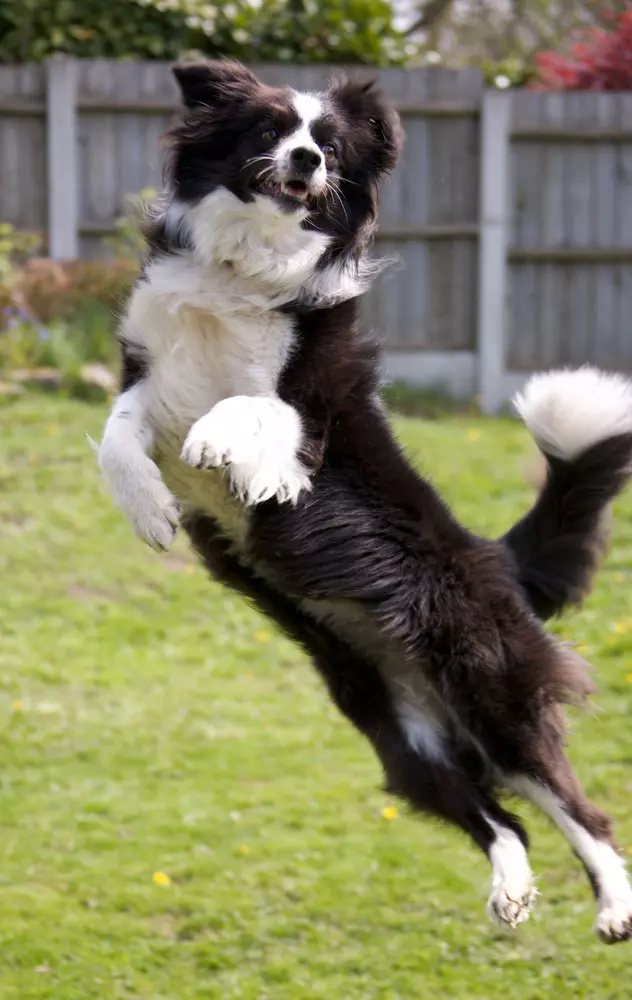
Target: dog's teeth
290	190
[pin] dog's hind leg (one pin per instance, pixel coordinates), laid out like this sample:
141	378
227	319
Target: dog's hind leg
554	788
422	770
441	788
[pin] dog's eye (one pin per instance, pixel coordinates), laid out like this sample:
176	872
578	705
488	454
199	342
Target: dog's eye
270	134
329	150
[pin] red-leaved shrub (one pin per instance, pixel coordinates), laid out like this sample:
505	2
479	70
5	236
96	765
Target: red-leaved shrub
600	60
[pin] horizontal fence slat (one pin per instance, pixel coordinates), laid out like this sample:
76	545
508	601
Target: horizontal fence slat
571	255
555	134
115	105
391	232
26	109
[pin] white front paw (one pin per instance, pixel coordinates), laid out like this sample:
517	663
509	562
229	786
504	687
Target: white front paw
154	513
258	439
148	505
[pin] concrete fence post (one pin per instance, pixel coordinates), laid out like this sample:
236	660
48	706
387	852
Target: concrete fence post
62	150
494	234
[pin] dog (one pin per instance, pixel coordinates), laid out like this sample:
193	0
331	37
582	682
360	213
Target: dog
250	414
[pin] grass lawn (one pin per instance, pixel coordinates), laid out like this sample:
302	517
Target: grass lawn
152	723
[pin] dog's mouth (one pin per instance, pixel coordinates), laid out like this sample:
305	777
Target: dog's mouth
290	194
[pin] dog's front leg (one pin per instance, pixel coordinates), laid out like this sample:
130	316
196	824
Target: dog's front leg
133	478
259	440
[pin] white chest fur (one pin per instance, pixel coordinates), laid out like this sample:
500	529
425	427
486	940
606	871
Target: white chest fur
205	340
208	321
210	335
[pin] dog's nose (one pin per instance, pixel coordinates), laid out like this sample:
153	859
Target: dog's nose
305	159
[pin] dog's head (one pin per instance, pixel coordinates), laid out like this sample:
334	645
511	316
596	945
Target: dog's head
319	157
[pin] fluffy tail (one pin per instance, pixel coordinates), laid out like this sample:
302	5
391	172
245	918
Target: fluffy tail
582	422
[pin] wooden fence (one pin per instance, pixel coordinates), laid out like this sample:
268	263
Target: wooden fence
509	219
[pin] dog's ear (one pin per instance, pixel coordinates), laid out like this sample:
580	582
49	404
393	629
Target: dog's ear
210	83
366	106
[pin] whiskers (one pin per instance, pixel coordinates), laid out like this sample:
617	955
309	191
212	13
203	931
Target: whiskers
333	195
268	168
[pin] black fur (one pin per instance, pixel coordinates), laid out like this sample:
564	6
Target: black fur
559	544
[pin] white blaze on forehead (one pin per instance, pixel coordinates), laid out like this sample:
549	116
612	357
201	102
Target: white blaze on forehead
308	107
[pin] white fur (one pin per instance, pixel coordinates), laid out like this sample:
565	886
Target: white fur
513	893
260	256
569	411
210	346
268	251
614	917
309	107
258	438
134	479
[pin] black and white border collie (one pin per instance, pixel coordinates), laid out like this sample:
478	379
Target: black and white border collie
249	414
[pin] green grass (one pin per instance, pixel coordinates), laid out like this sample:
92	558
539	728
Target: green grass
151	722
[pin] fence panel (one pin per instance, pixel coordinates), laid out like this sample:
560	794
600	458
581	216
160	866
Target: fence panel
23	200
570	258
560	292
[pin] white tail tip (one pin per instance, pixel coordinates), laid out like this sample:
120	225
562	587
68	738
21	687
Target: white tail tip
570	411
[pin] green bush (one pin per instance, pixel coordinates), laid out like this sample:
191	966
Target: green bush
128	242
62	316
56	354
292	31
15	248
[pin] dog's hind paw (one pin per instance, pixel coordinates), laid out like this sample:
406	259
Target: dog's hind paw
511	905
614	922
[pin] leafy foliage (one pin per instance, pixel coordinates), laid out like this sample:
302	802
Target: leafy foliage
56	318
50	289
296	31
504	38
15	247
600	60
128	242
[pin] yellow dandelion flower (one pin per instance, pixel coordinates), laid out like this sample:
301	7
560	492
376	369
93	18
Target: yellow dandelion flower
629	850
629	678
619	577
389	812
161	878
620	628
244	849
581	649
52	429
18	706
473	434
262	636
